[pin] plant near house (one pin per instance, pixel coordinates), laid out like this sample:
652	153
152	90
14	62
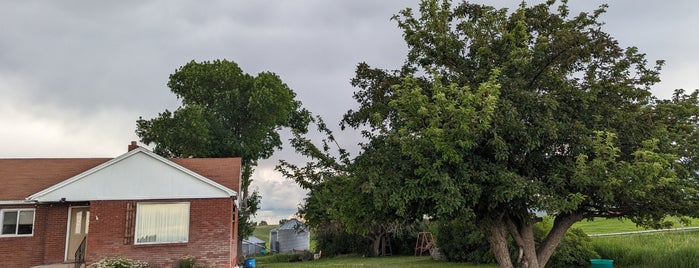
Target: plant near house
119	262
187	262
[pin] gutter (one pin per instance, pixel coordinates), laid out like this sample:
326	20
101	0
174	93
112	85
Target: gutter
16	202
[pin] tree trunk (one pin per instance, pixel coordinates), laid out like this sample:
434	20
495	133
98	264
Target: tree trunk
377	244
561	224
498	244
529	258
523	234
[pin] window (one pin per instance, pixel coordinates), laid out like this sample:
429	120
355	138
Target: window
17	222
162	223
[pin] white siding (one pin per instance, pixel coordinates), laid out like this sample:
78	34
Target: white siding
139	175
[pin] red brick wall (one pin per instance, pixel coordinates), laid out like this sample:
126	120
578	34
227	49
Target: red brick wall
210	234
22	251
55	236
47	245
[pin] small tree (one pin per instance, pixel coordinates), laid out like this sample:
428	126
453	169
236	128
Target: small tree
348	195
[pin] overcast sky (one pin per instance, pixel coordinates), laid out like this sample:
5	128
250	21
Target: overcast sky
76	75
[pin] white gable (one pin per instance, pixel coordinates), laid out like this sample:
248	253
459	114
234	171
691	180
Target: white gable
136	175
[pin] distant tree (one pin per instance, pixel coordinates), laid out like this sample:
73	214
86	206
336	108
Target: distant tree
501	114
262	223
283	221
226	113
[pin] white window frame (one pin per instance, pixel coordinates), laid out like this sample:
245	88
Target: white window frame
138	211
18	210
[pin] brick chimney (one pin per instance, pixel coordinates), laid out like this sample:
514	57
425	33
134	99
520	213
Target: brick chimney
132	146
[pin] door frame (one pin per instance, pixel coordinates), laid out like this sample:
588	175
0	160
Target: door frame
70	213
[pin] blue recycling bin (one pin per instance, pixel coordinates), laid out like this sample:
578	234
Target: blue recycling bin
250	263
602	263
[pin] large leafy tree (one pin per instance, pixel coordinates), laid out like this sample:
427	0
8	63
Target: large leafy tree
503	114
226	113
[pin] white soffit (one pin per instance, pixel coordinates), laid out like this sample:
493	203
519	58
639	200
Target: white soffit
136	175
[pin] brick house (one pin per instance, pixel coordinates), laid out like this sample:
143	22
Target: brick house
138	205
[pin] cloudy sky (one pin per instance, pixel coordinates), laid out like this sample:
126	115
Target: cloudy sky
76	75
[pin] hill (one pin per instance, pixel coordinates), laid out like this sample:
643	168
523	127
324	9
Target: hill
262	232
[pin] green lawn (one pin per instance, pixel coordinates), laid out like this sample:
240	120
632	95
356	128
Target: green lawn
667	249
605	226
353	261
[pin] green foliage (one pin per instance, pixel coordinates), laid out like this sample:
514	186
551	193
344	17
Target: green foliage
499	113
333	241
119	262
186	262
461	240
349	197
282	257
225	113
262	223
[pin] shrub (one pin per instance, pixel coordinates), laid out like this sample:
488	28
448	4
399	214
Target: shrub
281	257
186	262
335	241
119	262
460	240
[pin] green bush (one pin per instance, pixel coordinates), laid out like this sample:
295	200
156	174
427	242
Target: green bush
575	250
282	257
335	241
186	262
460	240
119	262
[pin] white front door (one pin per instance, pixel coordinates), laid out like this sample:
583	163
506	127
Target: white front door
78	226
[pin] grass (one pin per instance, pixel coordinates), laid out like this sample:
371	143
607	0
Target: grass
605	226
355	261
262	232
668	249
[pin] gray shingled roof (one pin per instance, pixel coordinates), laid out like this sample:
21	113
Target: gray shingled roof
290	225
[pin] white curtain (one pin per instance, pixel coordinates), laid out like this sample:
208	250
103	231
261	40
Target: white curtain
162	223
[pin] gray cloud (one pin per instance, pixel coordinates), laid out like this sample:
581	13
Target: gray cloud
75	75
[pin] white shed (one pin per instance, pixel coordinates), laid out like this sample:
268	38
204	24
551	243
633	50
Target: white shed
253	245
290	236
